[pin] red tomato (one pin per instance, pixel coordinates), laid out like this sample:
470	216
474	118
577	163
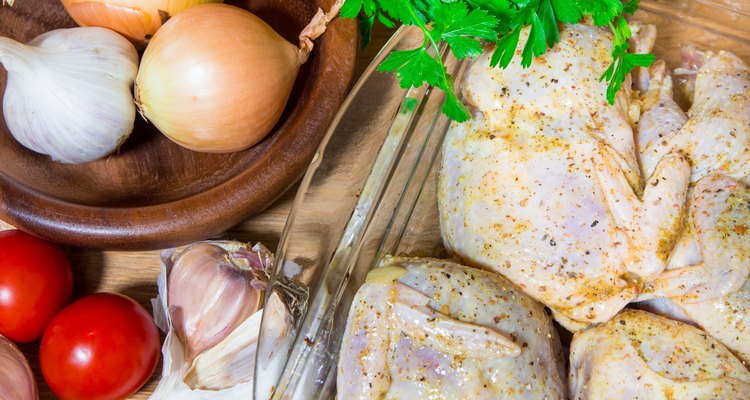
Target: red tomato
35	283
103	346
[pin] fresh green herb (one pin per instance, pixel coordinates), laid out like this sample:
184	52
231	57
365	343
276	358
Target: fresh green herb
462	24
457	24
622	61
409	104
365	27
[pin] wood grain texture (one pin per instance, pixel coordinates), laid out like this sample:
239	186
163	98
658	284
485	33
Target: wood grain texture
153	193
134	272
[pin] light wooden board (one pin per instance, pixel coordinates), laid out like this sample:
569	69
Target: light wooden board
134	273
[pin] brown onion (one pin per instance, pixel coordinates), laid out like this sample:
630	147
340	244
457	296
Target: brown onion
216	78
137	20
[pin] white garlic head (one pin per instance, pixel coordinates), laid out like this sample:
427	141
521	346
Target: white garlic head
70	92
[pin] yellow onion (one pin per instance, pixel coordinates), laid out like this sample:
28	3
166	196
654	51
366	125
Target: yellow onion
216	78
137	20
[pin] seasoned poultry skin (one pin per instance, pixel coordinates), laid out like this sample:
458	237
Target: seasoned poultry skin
422	328
714	134
543	185
639	355
706	281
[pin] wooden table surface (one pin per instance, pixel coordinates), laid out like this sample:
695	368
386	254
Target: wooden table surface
134	273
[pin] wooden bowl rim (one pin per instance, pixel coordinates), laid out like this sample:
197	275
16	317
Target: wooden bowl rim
217	209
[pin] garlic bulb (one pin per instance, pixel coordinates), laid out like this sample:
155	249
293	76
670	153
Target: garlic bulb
211	292
213	357
16	380
69	92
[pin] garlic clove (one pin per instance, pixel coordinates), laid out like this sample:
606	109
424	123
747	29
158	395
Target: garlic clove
232	361
212	288
16	380
69	92
224	371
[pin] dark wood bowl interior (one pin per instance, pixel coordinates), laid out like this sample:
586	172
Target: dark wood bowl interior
153	193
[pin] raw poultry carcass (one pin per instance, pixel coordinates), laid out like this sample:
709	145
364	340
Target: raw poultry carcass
639	355
543	185
423	328
707	273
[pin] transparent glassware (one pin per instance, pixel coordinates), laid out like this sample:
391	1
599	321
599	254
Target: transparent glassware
370	191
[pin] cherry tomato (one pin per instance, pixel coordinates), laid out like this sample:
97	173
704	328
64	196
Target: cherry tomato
35	283
101	347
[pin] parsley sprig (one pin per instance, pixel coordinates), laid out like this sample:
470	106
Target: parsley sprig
462	24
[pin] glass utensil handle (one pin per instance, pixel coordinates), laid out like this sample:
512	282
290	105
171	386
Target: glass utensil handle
309	354
305	247
343	216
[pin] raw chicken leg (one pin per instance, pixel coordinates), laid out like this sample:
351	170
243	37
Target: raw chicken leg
543	185
661	118
706	278
642	41
712	256
716	137
638	355
432	329
726	319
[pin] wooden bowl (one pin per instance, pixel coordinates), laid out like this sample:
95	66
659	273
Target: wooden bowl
153	193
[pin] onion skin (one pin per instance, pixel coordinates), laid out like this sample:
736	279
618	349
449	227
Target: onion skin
137	20
216	78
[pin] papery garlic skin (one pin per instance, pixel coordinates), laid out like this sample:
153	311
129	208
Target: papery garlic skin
69	92
211	291
224	371
16	380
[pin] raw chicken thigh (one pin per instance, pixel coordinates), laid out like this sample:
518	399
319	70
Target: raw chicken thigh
638	355
706	277
712	256
725	318
544	187
432	329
